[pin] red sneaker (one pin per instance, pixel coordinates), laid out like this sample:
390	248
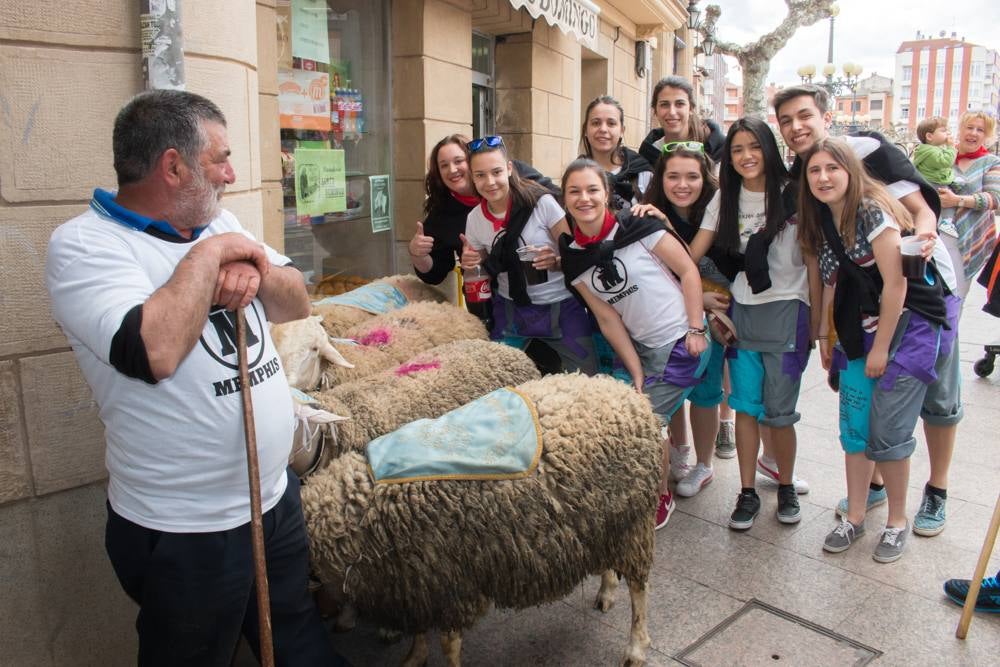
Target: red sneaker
664	509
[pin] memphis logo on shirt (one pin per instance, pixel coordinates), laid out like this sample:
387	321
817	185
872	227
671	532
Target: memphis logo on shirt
219	340
612	280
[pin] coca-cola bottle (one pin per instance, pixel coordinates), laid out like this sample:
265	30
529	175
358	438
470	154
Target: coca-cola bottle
478	294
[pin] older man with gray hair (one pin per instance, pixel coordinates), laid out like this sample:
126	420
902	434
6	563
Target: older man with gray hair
144	284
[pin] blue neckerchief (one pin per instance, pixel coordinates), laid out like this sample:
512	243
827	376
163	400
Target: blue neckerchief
104	203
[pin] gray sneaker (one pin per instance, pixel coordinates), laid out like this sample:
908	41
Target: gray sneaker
725	441
890	546
841	537
929	520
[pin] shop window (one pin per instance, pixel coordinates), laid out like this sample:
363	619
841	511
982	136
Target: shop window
333	99
483	90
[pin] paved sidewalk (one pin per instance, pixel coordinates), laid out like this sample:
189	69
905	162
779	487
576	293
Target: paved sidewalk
704	572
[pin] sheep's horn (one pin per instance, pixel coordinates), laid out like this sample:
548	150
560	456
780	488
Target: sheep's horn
333	355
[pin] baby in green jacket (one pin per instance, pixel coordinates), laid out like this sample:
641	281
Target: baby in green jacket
934	157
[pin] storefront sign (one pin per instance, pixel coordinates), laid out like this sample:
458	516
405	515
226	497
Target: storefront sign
310	40
320	181
577	17
380	200
304	99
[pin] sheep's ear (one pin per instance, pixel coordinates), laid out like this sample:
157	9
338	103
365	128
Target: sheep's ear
333	355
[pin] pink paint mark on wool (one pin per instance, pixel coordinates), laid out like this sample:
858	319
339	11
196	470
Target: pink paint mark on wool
376	337
416	367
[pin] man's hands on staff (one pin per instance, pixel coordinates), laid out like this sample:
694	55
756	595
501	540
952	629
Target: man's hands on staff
243	266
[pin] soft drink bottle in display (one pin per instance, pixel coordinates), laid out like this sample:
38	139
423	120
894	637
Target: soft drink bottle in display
478	294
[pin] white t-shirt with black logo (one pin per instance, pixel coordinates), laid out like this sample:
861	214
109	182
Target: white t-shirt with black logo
176	455
648	296
547	212
789	279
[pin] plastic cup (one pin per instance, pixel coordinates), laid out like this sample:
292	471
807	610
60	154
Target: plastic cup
914	264
532	276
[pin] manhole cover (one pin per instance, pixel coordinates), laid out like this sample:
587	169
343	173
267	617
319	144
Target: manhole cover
759	634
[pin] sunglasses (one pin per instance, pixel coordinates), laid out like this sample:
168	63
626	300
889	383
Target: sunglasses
695	146
485	143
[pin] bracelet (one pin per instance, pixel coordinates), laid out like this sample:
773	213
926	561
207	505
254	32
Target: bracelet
980	199
698	332
822	338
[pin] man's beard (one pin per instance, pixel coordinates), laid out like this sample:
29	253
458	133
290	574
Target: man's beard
197	204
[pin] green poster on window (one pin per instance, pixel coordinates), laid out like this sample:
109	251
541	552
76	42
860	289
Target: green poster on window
310	40
380	203
320	181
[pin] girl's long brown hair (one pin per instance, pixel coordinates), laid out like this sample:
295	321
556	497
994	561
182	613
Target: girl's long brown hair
861	189
435	189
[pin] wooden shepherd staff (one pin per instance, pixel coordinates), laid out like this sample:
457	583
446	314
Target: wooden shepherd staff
977	578
256	522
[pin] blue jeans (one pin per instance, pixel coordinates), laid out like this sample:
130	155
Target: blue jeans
196	591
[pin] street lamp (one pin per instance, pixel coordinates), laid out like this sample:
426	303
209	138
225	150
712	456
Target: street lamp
693	14
834	11
707	45
836	87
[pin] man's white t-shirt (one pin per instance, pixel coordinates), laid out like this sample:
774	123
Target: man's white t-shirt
789	278
176	454
648	297
479	231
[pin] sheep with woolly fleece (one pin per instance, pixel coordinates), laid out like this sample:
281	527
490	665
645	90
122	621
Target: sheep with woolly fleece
311	361
423	555
425	386
390	339
338	317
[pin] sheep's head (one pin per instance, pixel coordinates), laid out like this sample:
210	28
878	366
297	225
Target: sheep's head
303	345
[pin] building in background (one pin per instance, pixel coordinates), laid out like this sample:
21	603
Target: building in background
710	80
732	104
872	104
944	76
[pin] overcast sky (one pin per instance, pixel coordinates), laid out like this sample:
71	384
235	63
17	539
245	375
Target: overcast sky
866	32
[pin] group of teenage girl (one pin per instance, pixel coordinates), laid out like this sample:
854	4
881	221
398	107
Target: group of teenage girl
643	249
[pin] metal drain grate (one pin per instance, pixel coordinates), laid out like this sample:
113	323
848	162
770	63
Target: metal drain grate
759	634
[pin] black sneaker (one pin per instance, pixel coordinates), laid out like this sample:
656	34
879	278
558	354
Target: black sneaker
788	505
747	507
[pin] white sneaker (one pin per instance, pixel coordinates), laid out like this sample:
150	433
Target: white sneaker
700	477
769	469
679	466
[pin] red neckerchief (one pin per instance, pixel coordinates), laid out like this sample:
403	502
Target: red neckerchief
498	223
467	200
584	241
979	152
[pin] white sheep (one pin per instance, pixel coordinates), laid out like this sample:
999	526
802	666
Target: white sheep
425	386
390	293
311	361
423	555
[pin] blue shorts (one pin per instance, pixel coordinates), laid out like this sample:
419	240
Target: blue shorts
708	393
765	385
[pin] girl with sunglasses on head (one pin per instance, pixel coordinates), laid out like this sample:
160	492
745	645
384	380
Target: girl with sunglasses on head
513	234
683	184
640	283
751	221
450	197
893	333
675	110
601	139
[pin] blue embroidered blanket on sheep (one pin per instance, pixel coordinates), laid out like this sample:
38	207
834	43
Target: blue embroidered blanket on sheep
376	298
493	437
